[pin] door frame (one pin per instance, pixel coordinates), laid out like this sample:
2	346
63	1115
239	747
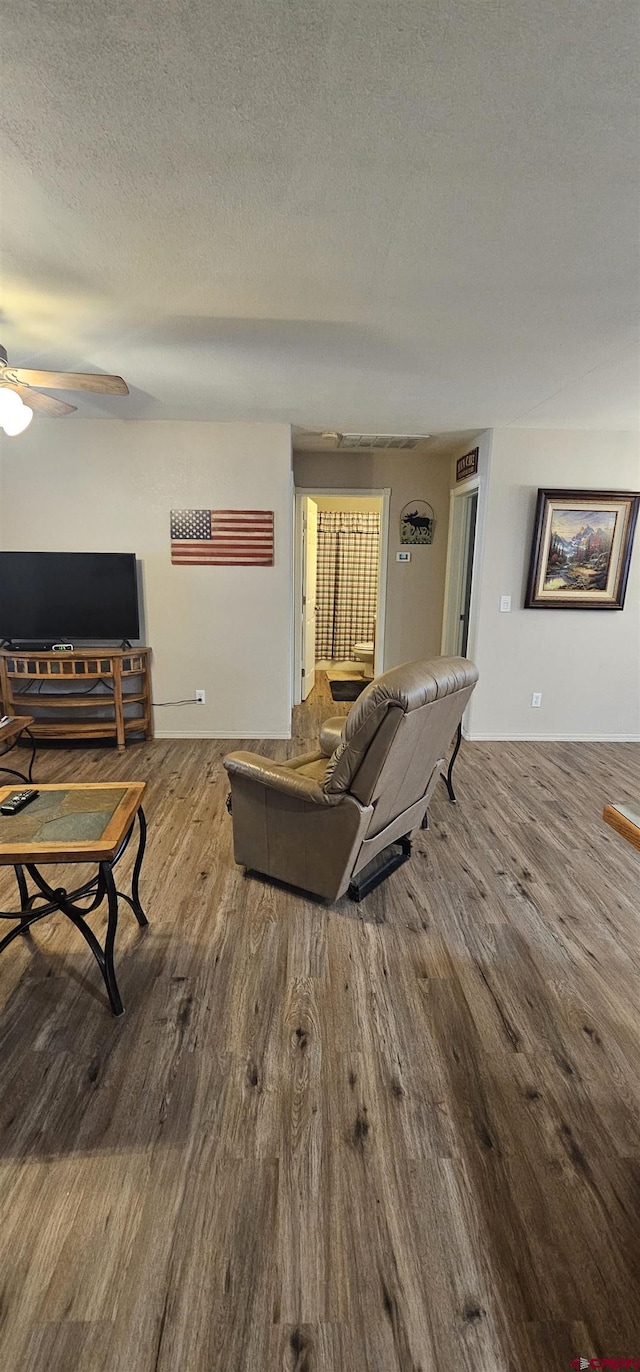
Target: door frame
455	567
308	621
380	493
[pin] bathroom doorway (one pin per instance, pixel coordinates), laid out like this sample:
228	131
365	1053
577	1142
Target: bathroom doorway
340	589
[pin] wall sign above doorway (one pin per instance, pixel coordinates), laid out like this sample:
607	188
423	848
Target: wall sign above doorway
468	465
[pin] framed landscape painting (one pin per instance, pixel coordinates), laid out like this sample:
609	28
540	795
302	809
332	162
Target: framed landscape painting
581	550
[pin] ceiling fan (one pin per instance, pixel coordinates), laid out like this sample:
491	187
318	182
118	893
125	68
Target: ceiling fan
25	385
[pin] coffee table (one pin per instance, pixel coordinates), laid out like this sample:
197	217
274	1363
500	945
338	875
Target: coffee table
70	824
9	735
625	819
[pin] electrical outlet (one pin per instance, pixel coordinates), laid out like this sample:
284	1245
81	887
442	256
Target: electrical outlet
200	697
536	699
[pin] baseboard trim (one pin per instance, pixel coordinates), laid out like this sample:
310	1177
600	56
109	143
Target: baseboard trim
265	734
326	665
475	737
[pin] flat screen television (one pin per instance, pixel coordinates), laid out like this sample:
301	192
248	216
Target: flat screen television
52	597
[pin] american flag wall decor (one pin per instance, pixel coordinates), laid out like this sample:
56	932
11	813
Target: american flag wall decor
222	538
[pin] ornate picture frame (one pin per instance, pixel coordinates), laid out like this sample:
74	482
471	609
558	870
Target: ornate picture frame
581	549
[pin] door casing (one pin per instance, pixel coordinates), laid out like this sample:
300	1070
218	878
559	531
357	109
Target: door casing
383	494
309	588
456	566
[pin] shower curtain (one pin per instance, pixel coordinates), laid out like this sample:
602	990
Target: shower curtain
347	587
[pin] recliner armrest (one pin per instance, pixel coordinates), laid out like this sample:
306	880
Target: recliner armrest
331	734
277	776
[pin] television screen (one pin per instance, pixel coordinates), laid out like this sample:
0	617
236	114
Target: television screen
68	596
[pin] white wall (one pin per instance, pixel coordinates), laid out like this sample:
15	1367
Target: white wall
102	485
415	589
586	663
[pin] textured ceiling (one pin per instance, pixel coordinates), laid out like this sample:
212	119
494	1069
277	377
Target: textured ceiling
396	217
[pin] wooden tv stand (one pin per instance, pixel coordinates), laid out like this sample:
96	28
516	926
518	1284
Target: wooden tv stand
103	692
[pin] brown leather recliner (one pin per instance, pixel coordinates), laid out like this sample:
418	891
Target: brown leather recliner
318	821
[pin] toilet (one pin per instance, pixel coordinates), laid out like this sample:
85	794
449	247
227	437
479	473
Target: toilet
364	653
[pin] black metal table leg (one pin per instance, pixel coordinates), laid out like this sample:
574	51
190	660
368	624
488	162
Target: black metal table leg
108	969
448	778
134	902
12	771
33	753
134	899
24	896
64	900
95	890
22	888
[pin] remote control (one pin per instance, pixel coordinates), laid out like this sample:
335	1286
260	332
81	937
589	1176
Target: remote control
17	801
6	719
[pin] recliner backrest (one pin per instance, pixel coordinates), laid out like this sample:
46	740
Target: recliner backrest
398	730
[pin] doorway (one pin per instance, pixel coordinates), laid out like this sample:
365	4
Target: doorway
463	524
340	586
468	542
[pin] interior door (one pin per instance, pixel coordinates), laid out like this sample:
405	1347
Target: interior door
471	513
309	580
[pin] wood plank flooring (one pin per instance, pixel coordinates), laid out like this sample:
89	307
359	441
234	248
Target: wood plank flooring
395	1137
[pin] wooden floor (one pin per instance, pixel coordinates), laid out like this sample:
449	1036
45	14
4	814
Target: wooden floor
395	1137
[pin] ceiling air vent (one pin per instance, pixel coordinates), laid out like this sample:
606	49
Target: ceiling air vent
404	441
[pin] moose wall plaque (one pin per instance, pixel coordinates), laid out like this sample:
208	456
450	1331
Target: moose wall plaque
417	523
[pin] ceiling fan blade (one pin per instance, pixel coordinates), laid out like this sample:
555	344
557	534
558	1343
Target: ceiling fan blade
43	404
71	381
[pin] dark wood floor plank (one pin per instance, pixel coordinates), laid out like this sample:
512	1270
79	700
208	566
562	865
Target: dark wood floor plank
388	1137
59	1347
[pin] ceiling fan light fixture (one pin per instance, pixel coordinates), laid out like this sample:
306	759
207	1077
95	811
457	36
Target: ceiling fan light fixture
17	423
14	415
10	403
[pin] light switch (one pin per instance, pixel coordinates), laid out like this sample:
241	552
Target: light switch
505	603
403	557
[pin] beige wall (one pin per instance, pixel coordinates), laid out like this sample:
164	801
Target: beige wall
109	486
414	590
349	504
586	663
106	485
